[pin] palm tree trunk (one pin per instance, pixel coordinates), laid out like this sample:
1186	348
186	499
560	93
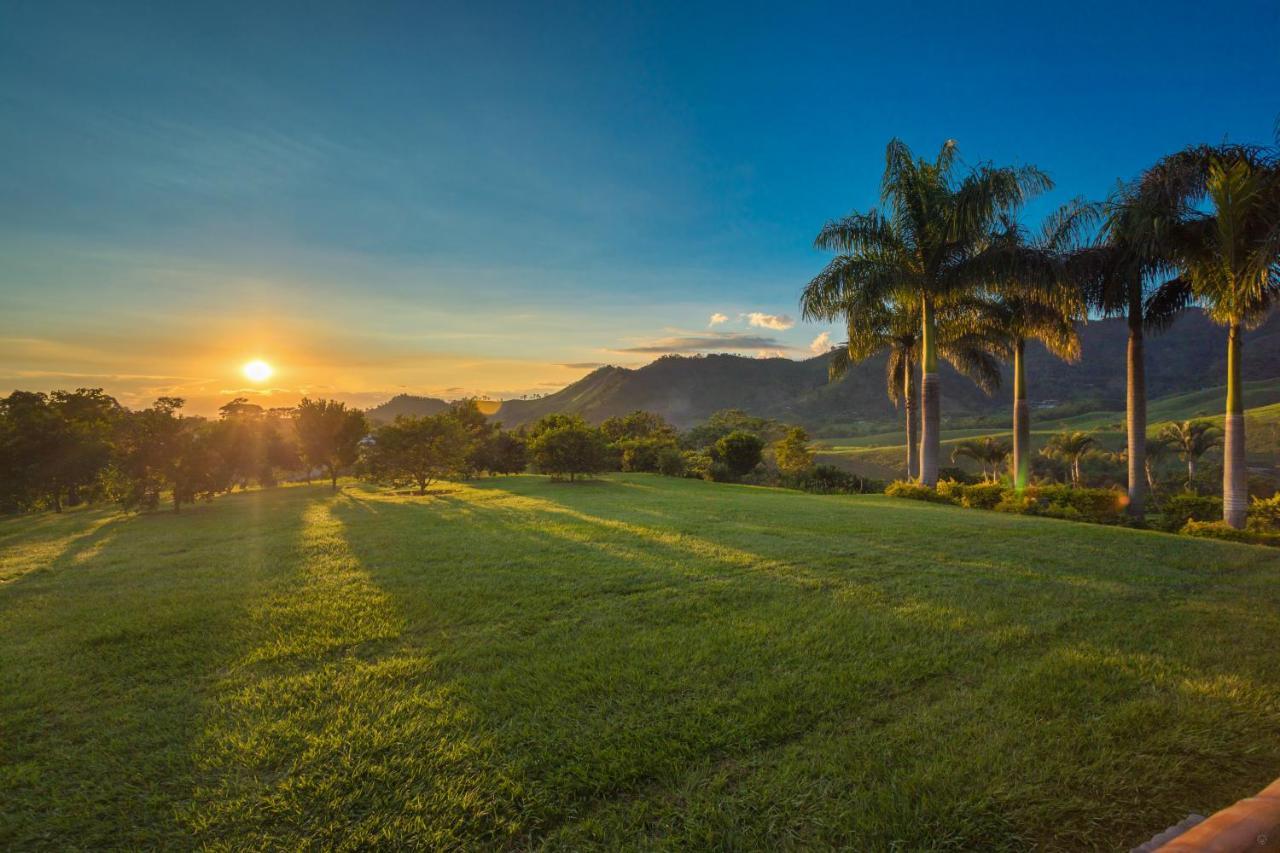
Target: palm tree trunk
930	438
1235	476
1021	419
1191	471
1136	409
913	422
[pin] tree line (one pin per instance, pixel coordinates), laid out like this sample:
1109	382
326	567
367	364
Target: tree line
946	270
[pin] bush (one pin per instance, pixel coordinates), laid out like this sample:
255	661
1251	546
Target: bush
959	475
975	496
719	472
671	462
1264	514
830	480
1176	510
641	454
1222	530
568	446
1100	506
915	492
737	453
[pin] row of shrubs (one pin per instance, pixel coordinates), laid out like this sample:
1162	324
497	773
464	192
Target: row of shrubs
1192	514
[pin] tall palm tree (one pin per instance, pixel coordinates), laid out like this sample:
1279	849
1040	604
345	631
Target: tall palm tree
1035	302
895	328
1224	235
917	250
1071	445
1191	439
1117	276
990	453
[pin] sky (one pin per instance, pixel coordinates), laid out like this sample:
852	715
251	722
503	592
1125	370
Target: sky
494	199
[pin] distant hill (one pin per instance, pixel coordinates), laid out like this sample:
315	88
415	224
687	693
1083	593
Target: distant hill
406	404
1190	356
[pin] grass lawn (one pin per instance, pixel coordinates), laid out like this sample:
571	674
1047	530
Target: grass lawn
637	659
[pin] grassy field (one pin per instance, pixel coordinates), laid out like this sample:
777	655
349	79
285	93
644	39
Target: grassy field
635	660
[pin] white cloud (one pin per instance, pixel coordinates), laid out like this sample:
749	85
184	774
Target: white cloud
778	322
716	319
820	344
771	353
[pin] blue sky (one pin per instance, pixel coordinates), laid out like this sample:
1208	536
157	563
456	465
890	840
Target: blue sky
490	198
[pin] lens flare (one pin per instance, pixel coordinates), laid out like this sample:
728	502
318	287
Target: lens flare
257	371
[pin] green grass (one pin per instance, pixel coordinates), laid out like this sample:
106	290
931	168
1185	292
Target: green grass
636	661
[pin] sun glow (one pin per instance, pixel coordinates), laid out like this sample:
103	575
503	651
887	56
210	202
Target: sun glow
257	371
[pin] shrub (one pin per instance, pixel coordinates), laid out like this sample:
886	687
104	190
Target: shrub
671	462
1222	530
915	492
830	480
1264	514
1176	510
959	475
975	496
737	453
641	454
697	464
719	472
1100	506
793	452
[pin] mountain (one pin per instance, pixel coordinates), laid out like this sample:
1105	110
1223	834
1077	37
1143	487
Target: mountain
1189	356
406	404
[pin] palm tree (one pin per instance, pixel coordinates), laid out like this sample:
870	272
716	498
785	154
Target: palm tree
990	453
1036	302
1191	439
1157	449
916	251
1228	259
1116	276
895	328
1071	445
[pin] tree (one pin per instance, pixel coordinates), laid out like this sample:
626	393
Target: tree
918	250
1071	446
159	449
1191	440
192	465
740	452
1215	212
1117	276
1157	450
566	444
504	453
725	421
895	328
54	447
793	453
479	430
329	434
990	453
637	425
419	450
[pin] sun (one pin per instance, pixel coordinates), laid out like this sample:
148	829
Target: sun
257	370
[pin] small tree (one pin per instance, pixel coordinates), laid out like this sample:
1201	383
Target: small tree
503	453
565	444
330	435
739	452
419	450
793	452
1191	440
990	453
1070	446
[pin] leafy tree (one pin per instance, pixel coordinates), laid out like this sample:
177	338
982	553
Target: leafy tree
1215	212
725	421
990	453
159	449
480	432
793	453
329	434
567	445
739	451
1191	440
919	250
419	450
1071	446
504	453
54	447
193	467
637	425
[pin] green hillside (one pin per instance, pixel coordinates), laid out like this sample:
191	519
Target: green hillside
520	663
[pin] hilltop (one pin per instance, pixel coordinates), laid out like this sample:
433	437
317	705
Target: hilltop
1188	357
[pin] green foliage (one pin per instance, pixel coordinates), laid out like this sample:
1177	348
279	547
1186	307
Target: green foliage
567	445
1099	506
1179	508
972	496
736	454
1264	514
644	454
671	461
503	452
1222	530
915	491
420	450
638	425
329	434
830	480
727	421
793	453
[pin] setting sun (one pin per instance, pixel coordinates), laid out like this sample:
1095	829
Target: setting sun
257	371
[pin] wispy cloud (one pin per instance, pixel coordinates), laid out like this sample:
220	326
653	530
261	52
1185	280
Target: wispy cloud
820	344
710	342
777	322
716	319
